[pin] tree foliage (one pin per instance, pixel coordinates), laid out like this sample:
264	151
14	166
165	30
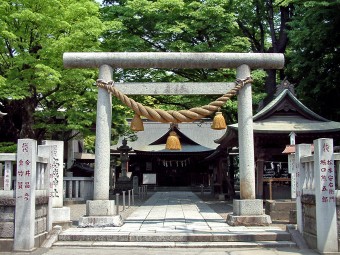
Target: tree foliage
39	95
314	58
174	26
44	100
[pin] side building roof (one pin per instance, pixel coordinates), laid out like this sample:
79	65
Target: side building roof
283	115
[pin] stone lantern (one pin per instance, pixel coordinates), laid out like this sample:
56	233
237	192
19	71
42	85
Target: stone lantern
124	182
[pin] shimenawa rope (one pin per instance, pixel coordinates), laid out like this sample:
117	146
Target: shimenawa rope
159	115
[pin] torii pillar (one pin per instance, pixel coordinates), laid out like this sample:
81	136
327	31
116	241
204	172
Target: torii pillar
247	210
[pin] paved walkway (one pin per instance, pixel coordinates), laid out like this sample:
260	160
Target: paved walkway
169	215
174	212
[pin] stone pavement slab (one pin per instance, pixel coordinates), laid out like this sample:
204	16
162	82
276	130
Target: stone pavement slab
176	217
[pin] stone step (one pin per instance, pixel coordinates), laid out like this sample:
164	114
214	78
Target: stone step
267	244
111	236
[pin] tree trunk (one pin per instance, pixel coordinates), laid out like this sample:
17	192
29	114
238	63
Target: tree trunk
279	43
270	84
27	118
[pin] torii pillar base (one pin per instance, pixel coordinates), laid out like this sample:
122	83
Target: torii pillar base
100	213
248	212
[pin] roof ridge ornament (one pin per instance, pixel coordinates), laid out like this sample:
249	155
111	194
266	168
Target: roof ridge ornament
285	84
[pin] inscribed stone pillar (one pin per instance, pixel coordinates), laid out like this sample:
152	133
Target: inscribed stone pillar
56	171
54	150
103	138
245	136
325	197
25	195
292	171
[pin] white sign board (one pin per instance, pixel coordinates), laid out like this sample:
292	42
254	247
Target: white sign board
292	171
149	178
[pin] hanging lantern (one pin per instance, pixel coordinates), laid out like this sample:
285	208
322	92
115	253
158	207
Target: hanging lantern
219	122
137	123
173	143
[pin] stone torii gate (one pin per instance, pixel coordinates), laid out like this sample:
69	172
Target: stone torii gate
247	210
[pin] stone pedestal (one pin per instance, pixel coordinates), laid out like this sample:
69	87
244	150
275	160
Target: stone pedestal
100	213
248	212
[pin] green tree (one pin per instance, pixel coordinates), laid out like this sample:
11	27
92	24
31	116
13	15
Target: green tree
314	57
42	98
173	26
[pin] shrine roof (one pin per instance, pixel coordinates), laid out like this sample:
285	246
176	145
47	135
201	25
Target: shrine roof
286	103
194	137
283	115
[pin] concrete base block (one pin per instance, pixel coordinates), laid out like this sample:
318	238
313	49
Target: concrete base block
6	245
247	207
279	209
61	214
100	221
249	220
100	208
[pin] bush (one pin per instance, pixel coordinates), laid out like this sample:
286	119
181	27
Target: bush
8	147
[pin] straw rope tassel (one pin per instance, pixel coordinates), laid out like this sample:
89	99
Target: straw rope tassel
137	123
219	122
173	143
